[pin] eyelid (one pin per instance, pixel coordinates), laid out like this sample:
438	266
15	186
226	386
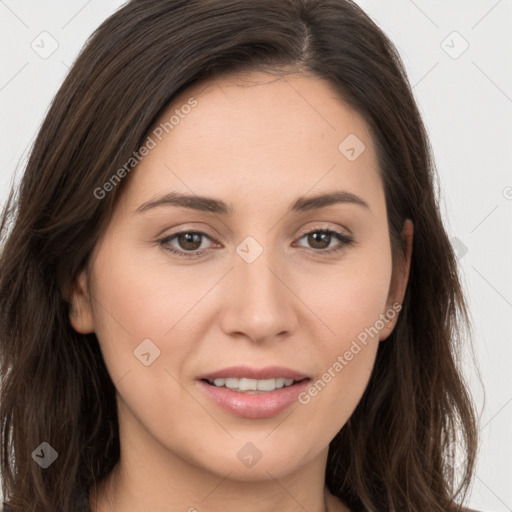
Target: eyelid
324	227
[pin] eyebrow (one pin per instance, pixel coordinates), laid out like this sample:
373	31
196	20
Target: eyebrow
217	206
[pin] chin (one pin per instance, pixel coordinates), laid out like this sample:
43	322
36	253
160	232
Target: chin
246	462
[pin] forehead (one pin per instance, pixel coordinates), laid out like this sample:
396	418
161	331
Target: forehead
259	132
264	106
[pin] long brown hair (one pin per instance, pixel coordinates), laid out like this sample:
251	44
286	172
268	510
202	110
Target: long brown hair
391	455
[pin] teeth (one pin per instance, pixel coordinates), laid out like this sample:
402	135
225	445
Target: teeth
280	382
253	384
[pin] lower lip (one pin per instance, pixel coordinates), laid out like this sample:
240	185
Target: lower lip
255	405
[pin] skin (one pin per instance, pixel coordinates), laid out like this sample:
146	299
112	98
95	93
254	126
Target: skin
257	142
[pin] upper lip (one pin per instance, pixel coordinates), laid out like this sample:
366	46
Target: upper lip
268	372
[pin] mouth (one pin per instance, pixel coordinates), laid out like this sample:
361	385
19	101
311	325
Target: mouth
254	393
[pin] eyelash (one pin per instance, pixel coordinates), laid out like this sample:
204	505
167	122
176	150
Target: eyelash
345	240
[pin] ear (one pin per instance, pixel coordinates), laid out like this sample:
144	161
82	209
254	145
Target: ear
399	279
80	314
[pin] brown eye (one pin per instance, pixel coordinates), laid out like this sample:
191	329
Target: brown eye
189	241
319	241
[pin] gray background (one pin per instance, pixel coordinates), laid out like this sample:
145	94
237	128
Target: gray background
465	96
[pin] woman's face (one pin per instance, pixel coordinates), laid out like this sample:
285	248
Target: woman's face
259	281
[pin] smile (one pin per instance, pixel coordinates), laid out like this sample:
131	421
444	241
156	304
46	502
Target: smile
254	393
252	385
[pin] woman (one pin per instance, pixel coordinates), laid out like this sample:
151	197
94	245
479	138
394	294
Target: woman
225	282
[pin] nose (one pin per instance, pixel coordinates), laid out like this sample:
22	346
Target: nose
259	301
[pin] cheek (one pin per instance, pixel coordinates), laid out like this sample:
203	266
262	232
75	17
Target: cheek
128	308
345	358
140	312
140	292
140	296
350	296
350	305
